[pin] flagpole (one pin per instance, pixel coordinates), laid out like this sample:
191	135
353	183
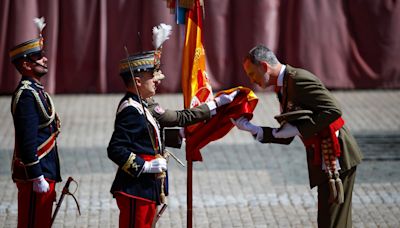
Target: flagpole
189	192
191	66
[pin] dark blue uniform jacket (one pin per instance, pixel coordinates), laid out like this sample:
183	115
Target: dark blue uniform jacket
129	143
27	116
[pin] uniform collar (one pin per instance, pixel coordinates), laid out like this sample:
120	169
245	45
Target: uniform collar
32	81
134	97
281	76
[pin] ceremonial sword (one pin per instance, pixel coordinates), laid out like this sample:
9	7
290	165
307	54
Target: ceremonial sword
65	191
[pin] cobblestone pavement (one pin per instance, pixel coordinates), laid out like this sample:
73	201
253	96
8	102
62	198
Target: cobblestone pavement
241	183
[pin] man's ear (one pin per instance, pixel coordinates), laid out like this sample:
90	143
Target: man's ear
26	65
264	65
138	81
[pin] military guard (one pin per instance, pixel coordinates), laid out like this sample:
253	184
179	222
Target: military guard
136	144
35	163
310	111
137	140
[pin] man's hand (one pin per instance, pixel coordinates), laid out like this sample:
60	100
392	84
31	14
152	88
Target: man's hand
40	185
224	99
157	165
286	131
243	124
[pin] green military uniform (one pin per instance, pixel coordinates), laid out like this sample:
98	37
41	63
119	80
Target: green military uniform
181	118
304	91
176	118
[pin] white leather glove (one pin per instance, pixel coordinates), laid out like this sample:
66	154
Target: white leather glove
286	131
224	99
157	165
40	185
243	124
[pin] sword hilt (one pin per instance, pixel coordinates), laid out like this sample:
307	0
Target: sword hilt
64	192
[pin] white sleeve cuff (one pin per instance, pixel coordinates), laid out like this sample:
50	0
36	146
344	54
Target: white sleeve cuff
213	107
260	134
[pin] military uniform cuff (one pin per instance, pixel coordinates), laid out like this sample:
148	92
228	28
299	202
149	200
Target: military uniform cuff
259	135
134	165
33	170
212	106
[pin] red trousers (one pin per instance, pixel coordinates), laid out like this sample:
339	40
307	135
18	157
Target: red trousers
34	209
134	212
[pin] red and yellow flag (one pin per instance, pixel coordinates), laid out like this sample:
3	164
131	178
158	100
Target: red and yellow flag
197	90
195	83
220	124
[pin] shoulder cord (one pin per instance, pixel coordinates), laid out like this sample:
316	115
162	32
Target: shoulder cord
47	117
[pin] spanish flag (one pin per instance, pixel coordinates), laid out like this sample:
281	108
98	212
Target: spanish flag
195	84
196	90
219	125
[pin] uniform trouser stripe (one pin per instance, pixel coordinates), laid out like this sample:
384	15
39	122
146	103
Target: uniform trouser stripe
132	212
32	209
135	212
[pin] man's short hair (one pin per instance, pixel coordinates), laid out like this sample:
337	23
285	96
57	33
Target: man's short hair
262	53
18	64
128	80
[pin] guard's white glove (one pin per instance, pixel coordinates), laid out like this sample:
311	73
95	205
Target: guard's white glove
286	131
243	124
40	185
224	99
157	165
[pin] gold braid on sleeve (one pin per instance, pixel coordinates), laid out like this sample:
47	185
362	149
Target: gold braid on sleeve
130	165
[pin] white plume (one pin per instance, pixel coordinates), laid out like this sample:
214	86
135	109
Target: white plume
39	23
160	34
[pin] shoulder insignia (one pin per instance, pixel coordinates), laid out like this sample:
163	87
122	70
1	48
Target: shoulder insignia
26	83
158	109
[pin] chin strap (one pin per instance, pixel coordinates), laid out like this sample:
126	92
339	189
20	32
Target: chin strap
35	62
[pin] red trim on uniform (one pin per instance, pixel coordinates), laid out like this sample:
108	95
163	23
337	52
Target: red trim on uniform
18	167
329	132
47	145
333	127
146	157
157	146
131	196
135	212
34	209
